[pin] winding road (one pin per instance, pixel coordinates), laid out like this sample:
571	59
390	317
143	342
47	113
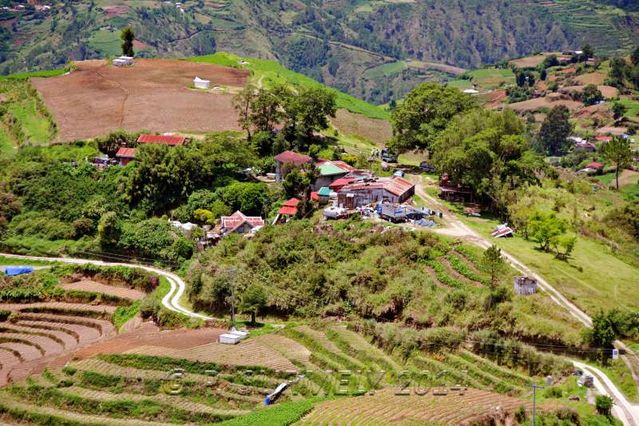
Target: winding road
628	413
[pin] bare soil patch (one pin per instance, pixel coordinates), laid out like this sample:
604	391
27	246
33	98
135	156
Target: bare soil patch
528	62
151	95
249	352
375	130
95	287
539	103
113	11
597	78
628	177
495	99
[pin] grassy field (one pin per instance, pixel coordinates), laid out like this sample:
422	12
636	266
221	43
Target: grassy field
26	118
593	278
106	42
484	79
386	69
268	72
632	107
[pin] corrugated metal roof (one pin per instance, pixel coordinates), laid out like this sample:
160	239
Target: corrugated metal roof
395	185
162	139
330	169
291	157
288	211
293	202
324	191
126	153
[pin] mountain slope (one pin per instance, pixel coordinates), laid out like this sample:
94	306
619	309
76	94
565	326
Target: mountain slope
359	47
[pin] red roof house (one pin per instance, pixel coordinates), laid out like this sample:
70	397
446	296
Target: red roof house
595	166
289	208
287	160
240	223
340	183
170	140
125	155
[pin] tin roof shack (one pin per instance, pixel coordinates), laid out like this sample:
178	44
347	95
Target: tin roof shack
525	286
383	190
170	140
288	160
125	155
331	171
239	223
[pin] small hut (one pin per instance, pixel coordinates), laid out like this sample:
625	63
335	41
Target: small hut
201	84
525	286
123	61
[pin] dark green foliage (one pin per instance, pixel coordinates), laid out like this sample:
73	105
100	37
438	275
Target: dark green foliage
252	199
555	130
604	404
164	177
127	37
425	113
619	153
592	95
488	153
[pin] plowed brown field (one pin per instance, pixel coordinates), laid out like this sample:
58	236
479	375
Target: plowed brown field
151	95
92	286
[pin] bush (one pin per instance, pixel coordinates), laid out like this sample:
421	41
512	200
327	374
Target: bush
553	392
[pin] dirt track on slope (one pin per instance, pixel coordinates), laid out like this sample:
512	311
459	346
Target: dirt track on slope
152	95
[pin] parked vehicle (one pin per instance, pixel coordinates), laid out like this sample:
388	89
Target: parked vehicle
427	167
399	173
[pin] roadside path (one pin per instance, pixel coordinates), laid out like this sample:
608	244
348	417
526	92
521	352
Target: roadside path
170	301
627	412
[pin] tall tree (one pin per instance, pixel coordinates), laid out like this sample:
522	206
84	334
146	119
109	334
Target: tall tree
592	94
555	130
618	152
588	52
425	113
494	264
127	36
252	300
634	57
242	103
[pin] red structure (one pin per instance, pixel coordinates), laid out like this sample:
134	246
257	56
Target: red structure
170	140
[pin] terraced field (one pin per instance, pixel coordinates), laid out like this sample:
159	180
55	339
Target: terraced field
150	387
41	331
385	407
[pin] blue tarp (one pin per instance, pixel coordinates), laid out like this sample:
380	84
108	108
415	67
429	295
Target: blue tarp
12	271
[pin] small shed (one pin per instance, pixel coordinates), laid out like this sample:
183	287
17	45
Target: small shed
201	83
324	194
123	61
525	286
229	339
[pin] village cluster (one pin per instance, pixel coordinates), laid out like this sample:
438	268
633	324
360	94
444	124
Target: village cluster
339	188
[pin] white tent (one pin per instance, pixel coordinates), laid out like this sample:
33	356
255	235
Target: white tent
201	84
123	61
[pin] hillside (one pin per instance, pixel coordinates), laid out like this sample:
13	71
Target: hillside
375	50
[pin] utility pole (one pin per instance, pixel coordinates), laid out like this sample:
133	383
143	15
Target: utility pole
232	275
534	388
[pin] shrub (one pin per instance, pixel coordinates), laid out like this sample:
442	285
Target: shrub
553	392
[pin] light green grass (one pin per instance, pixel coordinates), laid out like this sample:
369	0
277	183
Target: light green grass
622	377
27	75
632	107
106	42
386	70
36	127
282	414
269	72
593	278
460	84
